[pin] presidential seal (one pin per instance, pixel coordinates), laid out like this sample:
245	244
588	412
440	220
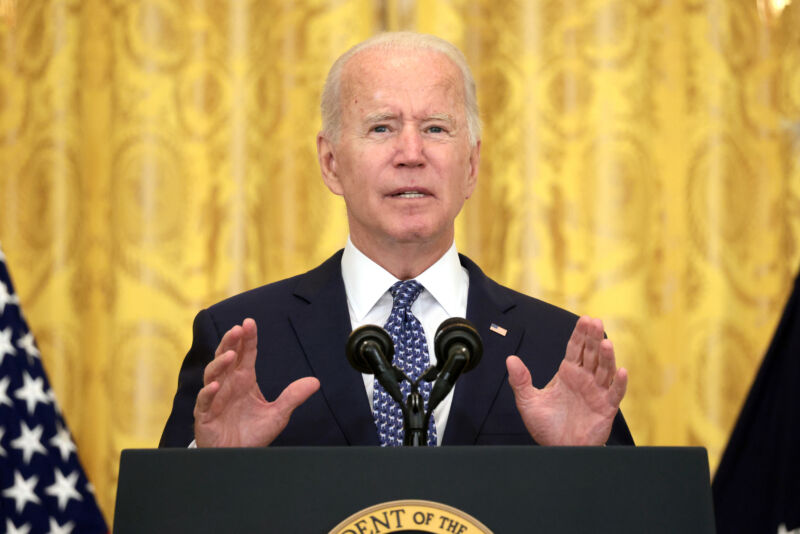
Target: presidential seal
410	517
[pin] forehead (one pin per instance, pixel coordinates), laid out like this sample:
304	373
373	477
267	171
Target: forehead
423	78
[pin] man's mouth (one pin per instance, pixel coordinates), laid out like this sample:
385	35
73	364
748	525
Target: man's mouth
409	194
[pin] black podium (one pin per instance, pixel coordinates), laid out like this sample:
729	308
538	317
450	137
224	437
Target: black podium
503	489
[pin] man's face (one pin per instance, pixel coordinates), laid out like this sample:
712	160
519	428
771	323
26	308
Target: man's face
403	160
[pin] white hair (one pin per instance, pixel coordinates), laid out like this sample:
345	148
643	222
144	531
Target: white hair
331	105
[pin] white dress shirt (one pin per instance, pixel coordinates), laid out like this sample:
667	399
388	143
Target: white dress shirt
446	284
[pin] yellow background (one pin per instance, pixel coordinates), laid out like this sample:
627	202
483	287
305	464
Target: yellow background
640	163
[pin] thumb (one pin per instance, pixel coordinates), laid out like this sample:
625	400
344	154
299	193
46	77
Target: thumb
296	394
519	378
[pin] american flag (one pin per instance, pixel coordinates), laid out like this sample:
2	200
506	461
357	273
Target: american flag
43	488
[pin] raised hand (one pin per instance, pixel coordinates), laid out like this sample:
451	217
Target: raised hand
230	410
577	407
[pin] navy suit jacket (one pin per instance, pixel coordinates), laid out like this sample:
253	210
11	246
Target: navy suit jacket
303	325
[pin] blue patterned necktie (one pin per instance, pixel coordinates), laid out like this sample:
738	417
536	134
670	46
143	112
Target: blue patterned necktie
411	357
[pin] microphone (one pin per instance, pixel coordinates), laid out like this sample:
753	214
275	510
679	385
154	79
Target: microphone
458	349
369	350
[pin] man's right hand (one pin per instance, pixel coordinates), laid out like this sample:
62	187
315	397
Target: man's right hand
230	410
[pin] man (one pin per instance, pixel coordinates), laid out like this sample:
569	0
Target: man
401	143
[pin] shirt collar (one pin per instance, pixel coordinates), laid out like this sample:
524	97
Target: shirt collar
365	281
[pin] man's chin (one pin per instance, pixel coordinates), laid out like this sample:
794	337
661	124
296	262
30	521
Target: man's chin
418	232
420	235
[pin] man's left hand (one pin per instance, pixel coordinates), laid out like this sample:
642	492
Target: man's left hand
577	407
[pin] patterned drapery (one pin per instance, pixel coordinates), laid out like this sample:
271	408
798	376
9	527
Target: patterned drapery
640	162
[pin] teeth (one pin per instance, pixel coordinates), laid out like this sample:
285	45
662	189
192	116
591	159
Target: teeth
411	194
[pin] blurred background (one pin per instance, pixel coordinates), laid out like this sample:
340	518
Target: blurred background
640	162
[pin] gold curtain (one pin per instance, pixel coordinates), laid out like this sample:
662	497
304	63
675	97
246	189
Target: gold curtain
640	163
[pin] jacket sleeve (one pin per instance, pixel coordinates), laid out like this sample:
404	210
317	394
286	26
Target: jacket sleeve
179	430
620	433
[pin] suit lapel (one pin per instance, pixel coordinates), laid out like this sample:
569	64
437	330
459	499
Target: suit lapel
322	328
476	390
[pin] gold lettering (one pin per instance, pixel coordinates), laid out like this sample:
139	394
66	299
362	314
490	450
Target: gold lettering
397	513
377	523
451	525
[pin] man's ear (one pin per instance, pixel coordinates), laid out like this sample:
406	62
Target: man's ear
327	164
474	161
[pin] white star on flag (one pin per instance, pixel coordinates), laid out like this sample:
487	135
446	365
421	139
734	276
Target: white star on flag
64	488
51	396
6	298
55	528
6	348
27	344
11	528
32	392
29	441
63	442
22	491
4	398
48	490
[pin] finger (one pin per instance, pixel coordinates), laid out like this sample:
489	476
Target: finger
591	351
576	341
204	399
249	344
519	378
606	365
618	386
218	367
296	394
229	341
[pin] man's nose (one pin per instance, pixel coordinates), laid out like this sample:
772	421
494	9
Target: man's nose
410	150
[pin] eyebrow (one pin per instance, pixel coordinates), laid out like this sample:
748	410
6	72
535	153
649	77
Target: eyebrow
440	117
385	116
379	117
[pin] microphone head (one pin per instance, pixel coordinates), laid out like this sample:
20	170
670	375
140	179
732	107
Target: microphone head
454	331
365	334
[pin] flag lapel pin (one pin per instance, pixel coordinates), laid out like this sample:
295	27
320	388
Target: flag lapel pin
497	329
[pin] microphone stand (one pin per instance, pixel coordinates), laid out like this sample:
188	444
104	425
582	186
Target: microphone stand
416	419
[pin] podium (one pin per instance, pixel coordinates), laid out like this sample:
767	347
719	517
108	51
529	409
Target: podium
504	490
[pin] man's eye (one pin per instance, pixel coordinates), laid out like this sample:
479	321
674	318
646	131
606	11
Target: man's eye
435	129
380	129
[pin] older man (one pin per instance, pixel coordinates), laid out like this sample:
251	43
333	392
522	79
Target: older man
401	143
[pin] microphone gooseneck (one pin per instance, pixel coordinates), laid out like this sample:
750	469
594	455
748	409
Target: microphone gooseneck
369	350
458	349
